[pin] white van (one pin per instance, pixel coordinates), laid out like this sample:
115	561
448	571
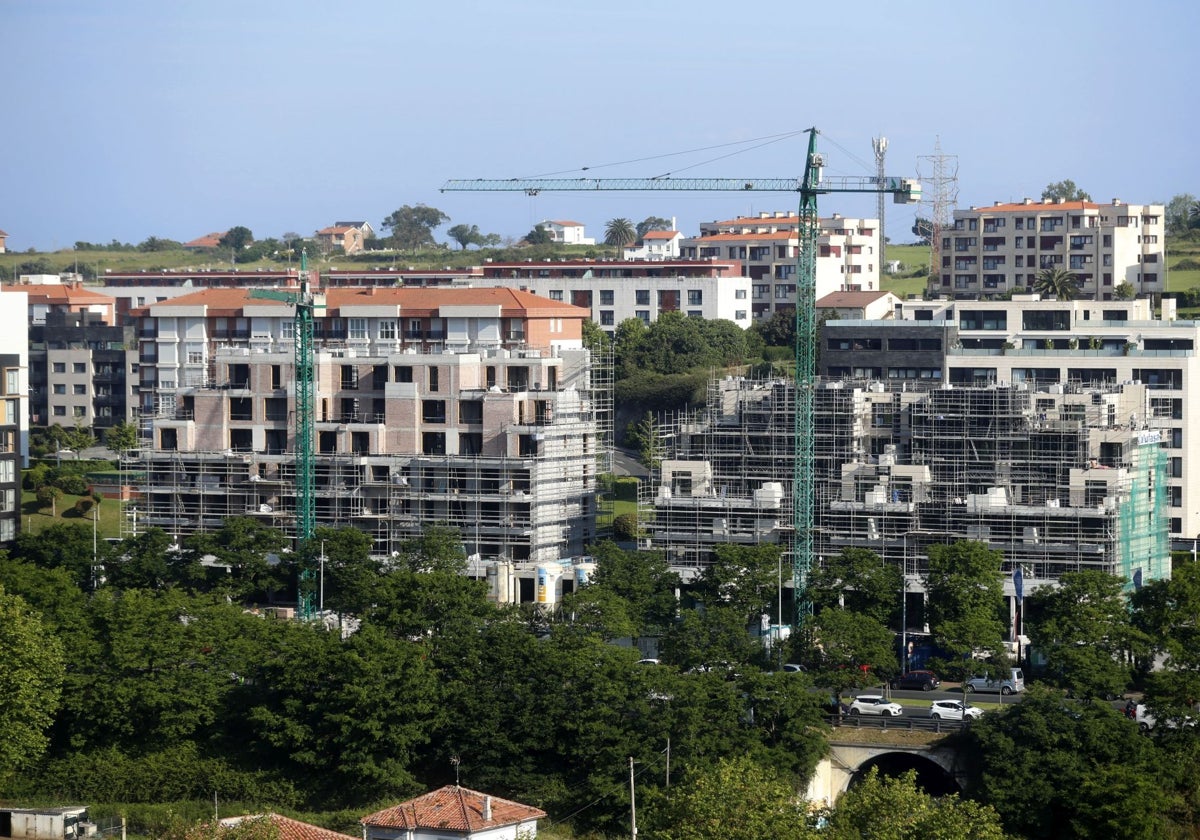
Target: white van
1014	683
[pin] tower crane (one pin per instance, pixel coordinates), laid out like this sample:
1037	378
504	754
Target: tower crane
306	302
811	184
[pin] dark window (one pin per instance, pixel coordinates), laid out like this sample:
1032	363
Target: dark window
433	379
241	440
470	412
360	442
1046	319
433	443
349	378
403	373
240	408
433	411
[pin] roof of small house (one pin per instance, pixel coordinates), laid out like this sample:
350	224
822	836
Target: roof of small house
454	808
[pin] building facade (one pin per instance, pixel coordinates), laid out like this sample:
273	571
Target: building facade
567	232
12	429
474	408
991	251
616	290
768	246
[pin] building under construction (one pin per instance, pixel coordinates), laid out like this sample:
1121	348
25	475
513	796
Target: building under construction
477	409
1058	478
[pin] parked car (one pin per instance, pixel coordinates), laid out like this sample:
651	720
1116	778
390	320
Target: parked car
648	661
953	710
1014	683
793	668
917	680
1146	721
875	704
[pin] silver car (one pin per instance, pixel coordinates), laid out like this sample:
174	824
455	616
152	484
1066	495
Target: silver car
875	704
953	710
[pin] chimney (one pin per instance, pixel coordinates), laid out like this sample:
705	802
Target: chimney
1027	201
763	214
1116	202
996	203
1060	200
487	809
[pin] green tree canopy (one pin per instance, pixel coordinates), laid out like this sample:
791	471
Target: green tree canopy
1058	282
538	236
897	809
860	580
845	651
31	675
121	438
1177	213
1066	190
236	239
923	230
466	235
965	594
412	226
652	223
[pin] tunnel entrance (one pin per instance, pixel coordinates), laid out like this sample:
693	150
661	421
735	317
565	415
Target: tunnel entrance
931	778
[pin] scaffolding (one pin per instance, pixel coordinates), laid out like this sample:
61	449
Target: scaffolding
1058	479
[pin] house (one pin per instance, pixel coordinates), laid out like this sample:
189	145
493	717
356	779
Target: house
655	245
3	246
872	306
206	242
45	823
288	828
365	228
566	232
348	236
453	812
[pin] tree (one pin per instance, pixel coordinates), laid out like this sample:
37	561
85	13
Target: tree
896	808
644	436
1168	612
859	580
48	496
236	239
30	684
246	547
847	651
779	330
1065	190
353	580
79	438
1124	291
1177	217
1053	768
538	236
594	338
466	235
652	223
1082	627
642	580
619	232
153	244
923	230
743	577
121	438
1194	215
412	227
1058	282
735	799
965	594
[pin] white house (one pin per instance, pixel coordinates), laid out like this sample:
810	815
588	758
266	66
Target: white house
566	232
655	245
453	812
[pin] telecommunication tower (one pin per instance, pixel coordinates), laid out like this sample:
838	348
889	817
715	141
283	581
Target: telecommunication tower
941	199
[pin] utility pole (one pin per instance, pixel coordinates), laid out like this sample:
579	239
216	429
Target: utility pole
632	803
941	198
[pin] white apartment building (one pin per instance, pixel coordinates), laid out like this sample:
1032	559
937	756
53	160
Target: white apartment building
768	245
614	291
474	408
994	250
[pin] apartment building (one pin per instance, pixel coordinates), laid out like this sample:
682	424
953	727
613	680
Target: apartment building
14	408
476	408
768	244
1057	478
644	289
991	251
1031	343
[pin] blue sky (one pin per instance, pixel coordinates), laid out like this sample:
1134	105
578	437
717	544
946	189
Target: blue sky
123	120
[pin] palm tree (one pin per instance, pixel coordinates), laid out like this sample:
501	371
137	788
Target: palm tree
1194	214
1059	282
619	232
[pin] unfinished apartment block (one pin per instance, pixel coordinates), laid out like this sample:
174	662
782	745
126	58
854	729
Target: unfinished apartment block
473	408
1061	478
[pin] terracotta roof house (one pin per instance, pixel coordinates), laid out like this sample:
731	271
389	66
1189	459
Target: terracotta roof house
345	236
289	829
862	306
456	812
209	240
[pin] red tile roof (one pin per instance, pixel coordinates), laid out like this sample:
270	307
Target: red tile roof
412	301
661	234
563	223
62	294
1033	207
748	221
336	229
2	233
453	808
209	240
289	829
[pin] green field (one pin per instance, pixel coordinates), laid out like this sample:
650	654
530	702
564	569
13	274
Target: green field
35	518
913	276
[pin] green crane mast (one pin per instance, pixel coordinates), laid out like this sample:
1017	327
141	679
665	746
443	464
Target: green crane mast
305	301
809	186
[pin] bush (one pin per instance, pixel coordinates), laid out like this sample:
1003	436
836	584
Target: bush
625	527
82	506
1187	264
76	485
34	477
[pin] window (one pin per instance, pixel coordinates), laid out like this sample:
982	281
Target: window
79	390
358	328
60	389
739	294
433	443
606	297
403	373
642	315
695	313
387	330
60	411
433	379
606	318
739	315
60	367
287	329
349	378
7	471
8	499
641	297
761	291
695	297
555	294
10	381
80	411
433	411
79	367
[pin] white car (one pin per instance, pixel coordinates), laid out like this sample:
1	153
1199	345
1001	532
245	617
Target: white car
875	704
953	710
